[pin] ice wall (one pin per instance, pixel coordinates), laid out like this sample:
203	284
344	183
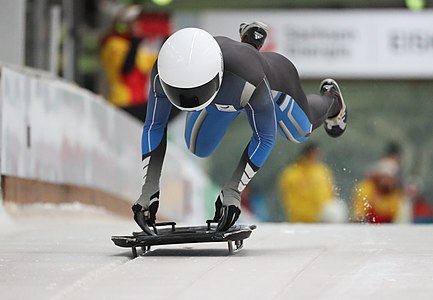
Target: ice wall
57	132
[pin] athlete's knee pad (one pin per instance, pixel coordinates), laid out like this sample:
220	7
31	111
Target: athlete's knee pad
293	123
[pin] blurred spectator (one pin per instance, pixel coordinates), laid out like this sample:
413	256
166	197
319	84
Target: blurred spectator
415	207
379	198
422	209
393	152
307	189
128	53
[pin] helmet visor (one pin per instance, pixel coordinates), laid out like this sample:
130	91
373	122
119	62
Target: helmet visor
191	98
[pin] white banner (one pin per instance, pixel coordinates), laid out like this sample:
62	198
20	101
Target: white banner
352	44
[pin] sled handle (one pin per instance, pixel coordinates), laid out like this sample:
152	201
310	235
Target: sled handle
172	224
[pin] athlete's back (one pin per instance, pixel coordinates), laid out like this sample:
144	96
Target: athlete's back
242	60
251	65
281	73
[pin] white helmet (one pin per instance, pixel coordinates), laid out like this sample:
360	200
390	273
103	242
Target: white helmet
190	67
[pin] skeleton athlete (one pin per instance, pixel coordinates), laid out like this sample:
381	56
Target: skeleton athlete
215	79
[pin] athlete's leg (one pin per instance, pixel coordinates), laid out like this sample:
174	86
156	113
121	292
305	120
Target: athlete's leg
335	125
293	121
298	115
205	129
321	108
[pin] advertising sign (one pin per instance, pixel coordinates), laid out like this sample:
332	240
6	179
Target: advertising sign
351	44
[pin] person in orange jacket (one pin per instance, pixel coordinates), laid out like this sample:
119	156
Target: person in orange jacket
379	198
128	53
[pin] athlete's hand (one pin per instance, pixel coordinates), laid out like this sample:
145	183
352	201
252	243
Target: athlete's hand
145	217
218	209
225	215
229	216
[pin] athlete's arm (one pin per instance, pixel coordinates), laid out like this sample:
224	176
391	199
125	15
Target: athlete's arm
153	146
261	115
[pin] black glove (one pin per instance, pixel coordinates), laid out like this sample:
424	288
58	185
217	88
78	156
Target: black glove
229	216
225	215
146	217
218	209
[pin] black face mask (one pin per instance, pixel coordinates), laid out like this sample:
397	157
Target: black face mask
191	98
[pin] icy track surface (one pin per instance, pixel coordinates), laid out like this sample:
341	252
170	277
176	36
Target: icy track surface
66	253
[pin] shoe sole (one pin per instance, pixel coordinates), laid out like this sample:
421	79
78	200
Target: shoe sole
339	96
330	81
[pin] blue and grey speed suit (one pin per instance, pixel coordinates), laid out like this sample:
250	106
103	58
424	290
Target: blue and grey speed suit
265	86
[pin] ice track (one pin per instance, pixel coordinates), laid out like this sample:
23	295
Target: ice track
66	253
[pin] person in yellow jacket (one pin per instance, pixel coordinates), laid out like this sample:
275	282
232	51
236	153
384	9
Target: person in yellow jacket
379	198
306	187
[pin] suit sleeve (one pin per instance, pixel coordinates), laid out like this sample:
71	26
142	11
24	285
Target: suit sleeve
261	115
158	111
154	141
